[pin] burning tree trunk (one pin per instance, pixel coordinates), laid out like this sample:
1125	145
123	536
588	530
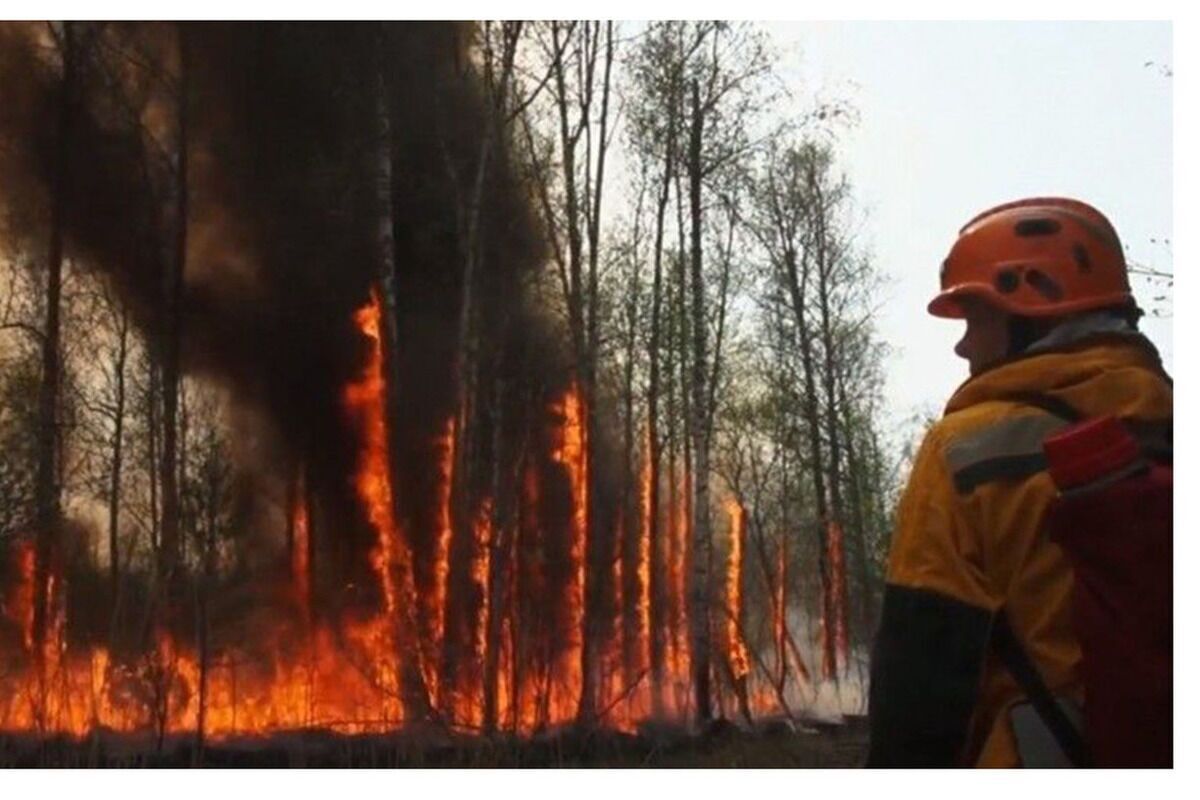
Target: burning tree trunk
496	586
571	454
738	661
414	687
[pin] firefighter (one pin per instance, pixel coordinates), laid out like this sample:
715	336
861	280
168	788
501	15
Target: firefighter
1043	287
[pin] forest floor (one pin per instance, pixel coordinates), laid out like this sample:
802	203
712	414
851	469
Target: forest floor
723	745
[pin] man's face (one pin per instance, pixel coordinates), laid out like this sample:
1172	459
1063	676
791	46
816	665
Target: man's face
986	339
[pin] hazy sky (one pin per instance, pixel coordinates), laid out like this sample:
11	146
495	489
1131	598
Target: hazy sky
957	117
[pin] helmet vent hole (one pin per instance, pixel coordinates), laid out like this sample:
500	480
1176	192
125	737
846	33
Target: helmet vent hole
1037	226
1007	281
1081	257
1044	284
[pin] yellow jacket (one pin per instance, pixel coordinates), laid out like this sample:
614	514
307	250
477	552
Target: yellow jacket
970	540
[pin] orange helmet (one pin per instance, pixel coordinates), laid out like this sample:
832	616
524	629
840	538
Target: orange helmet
1039	257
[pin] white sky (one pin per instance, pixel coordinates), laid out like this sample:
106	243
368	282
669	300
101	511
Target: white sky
957	117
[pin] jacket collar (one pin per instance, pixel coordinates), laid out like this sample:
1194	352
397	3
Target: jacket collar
1098	363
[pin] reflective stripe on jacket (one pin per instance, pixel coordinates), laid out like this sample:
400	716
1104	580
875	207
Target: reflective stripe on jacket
970	540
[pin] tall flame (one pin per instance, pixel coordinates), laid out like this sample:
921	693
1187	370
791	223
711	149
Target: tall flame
471	692
18	606
571	452
739	663
678	563
365	399
642	600
436	607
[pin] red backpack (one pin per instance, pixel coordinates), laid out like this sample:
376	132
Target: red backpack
1113	518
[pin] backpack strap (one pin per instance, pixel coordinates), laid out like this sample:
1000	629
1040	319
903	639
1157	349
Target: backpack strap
1008	647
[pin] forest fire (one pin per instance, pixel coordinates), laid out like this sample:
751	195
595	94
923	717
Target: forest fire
375	465
350	672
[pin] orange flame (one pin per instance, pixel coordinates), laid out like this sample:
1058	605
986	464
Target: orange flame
680	651
571	452
739	663
642	599
365	400
18	606
345	674
470	695
528	685
436	608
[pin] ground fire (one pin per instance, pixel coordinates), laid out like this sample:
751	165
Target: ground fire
348	673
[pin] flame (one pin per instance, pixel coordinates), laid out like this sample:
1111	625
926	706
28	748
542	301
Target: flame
739	663
642	599
301	576
18	606
365	400
435	606
571	453
680	662
528	686
345	672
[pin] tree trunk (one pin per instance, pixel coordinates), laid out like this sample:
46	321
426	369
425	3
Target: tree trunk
594	554
47	491
652	413
115	463
414	687
825	258
702	548
796	279
173	277
152	447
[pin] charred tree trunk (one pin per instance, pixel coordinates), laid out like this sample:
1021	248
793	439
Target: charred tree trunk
414	688
175	263
47	491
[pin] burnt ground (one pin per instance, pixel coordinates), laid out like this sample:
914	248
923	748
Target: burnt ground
772	744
